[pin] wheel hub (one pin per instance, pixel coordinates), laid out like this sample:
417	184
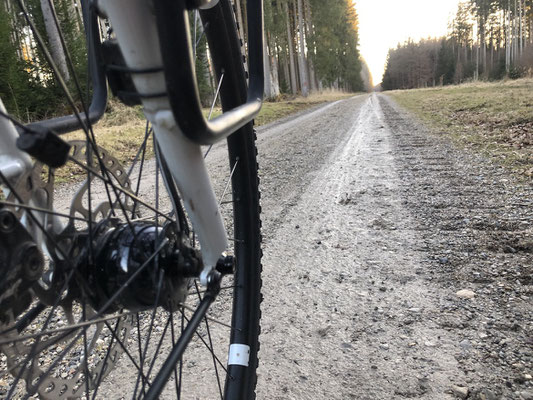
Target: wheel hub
138	266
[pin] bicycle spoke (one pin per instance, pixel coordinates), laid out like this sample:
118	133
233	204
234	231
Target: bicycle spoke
213	107
229	181
124	191
210	347
140	153
69	276
156	351
108	352
173	341
154	312
88	377
207	346
87	128
72	328
181	358
83	321
17	122
139	347
42	210
208	317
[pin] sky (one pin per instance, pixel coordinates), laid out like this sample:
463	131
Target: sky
385	23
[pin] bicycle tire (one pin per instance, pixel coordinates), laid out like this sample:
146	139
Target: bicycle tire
240	381
227	57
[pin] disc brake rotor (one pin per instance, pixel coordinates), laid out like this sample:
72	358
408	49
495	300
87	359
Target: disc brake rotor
91	353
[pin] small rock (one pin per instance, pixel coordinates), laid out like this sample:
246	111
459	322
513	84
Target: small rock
414	310
324	331
486	394
297	227
526	395
466	345
460	391
430	344
384	346
509	249
465	294
528	377
424	385
443	260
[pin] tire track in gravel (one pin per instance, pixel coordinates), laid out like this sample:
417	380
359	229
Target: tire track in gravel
291	152
474	218
348	312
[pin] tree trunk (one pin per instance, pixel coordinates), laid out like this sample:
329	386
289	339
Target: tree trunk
310	46
294	83
295	45
238	11
274	69
483	39
508	38
476	73
56	49
285	65
240	31
266	66
301	40
75	12
521	43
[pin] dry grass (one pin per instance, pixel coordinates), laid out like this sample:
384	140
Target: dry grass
494	118
287	105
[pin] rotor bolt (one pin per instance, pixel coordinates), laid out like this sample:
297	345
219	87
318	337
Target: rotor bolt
7	221
32	261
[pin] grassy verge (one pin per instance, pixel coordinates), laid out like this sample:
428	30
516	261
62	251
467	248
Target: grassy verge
122	128
493	118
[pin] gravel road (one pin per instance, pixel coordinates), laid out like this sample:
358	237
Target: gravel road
396	265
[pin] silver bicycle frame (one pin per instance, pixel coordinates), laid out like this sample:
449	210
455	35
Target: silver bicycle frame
13	162
134	25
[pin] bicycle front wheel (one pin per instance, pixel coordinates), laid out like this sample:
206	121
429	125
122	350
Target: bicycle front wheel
81	326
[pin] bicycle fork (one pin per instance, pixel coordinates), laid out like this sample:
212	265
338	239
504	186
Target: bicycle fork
134	24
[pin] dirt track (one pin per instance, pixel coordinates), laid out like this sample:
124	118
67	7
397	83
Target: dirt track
372	224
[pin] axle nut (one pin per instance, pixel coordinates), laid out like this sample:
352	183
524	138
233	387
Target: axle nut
31	260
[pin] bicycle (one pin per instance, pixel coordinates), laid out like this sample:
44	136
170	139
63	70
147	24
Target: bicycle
121	284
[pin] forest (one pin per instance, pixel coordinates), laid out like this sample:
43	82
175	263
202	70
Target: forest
487	40
310	45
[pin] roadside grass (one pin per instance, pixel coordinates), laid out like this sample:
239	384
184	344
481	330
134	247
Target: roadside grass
493	118
122	128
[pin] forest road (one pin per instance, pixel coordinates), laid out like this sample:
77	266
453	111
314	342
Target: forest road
395	264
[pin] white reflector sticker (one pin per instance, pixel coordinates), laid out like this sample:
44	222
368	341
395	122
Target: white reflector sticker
239	354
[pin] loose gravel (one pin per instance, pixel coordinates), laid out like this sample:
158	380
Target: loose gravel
396	266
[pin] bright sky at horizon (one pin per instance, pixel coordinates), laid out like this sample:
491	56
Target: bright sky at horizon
385	23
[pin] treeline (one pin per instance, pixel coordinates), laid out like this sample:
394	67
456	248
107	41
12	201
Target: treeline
309	45
27	87
488	39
